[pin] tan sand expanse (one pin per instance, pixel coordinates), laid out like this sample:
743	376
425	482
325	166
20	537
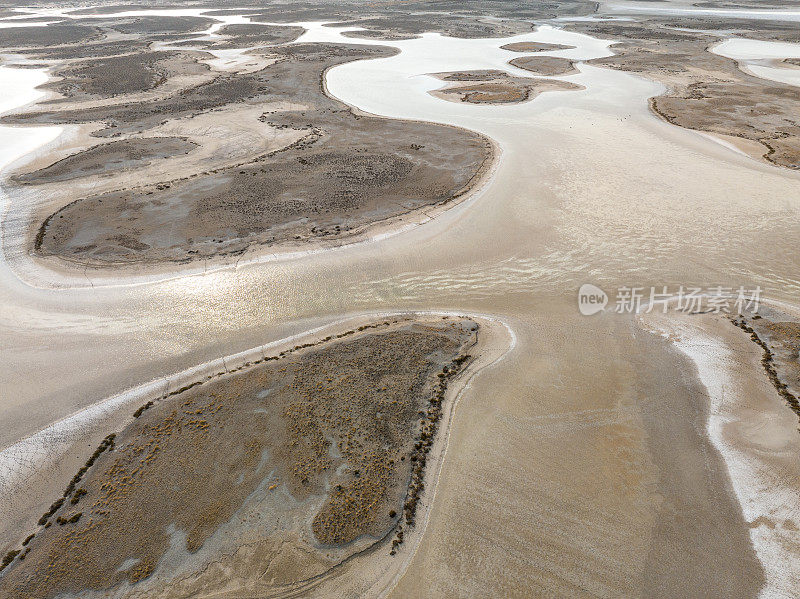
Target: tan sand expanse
601	467
534	47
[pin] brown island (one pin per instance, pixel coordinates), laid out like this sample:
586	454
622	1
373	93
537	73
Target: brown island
495	87
331	174
550	66
268	476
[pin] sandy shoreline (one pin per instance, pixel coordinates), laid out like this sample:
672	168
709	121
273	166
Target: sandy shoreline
59	272
56	450
753	431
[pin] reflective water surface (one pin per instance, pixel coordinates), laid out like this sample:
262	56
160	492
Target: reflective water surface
762	58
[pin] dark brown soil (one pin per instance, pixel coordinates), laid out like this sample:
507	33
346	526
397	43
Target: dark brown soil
126	74
88	50
348	171
452	25
734	27
749	109
241	36
109	158
114	7
534	47
495	87
52	35
451	17
478	75
378	34
152	27
490	93
549	66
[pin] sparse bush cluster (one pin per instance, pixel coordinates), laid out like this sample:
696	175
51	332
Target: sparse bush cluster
140	410
53	509
61	520
106	444
370	412
9	557
76	496
419	456
768	362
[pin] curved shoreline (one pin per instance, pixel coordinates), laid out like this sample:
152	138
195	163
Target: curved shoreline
115	412
66	273
742	401
256	253
442	444
64	277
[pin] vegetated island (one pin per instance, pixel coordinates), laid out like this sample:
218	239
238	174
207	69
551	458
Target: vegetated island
267	476
495	87
330	173
535	47
549	66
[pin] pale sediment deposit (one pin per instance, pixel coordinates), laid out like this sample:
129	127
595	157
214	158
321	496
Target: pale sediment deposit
748	370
